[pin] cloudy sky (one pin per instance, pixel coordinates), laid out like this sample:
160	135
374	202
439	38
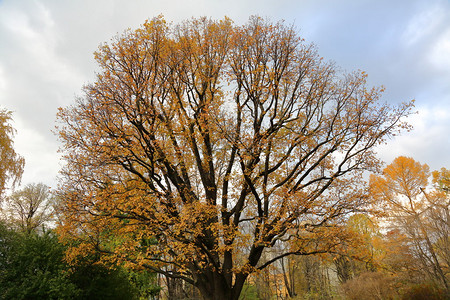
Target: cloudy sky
46	56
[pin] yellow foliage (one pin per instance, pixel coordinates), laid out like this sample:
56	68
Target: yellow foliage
11	163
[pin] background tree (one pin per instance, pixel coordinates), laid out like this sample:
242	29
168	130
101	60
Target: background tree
439	215
399	258
363	253
11	163
30	207
421	216
218	141
441	180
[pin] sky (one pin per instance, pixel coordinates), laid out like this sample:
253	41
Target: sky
46	56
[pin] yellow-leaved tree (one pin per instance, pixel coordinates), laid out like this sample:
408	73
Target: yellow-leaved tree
420	214
11	164
201	145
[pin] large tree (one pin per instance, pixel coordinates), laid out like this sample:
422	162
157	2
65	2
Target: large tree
215	142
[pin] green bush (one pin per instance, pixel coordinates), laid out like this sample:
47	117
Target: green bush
32	267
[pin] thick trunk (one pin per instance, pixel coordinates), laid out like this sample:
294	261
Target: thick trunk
218	285
217	288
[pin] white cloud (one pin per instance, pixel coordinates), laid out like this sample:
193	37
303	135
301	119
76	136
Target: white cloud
423	24
34	36
40	153
427	142
440	52
2	80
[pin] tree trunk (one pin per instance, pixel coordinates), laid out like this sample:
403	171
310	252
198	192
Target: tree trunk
287	282
215	287
174	288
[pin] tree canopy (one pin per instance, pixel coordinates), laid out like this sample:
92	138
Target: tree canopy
201	145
